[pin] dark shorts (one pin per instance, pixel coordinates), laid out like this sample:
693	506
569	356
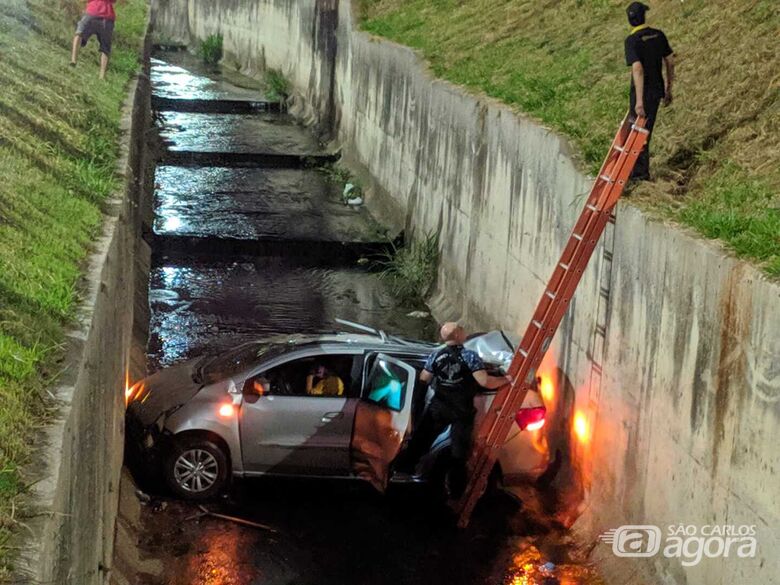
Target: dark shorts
102	28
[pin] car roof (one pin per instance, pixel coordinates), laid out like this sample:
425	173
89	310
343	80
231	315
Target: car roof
387	342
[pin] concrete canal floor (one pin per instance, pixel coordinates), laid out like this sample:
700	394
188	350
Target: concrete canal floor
243	248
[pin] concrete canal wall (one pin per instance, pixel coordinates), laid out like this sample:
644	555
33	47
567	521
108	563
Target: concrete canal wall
670	353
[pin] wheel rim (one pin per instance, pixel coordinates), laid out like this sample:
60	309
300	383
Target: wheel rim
196	470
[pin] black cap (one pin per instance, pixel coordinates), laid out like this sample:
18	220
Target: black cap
636	9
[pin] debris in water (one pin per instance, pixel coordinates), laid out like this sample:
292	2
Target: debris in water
418	314
206	512
530	568
143	497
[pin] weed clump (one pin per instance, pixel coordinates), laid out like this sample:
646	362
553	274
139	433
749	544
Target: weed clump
411	269
210	50
278	86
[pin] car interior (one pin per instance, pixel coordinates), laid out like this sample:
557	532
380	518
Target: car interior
290	379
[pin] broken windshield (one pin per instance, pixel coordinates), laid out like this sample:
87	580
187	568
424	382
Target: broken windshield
215	368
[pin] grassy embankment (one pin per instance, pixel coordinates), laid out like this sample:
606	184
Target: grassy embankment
716	151
59	130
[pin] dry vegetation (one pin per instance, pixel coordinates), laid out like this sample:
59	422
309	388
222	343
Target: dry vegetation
716	151
58	151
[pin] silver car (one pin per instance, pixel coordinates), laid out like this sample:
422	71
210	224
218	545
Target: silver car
340	405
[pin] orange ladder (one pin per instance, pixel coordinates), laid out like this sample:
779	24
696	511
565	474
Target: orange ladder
607	189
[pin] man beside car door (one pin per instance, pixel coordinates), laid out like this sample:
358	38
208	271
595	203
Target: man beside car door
454	374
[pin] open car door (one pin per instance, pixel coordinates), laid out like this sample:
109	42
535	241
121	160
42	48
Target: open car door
382	417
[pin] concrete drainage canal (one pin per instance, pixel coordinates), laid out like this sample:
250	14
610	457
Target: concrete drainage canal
248	238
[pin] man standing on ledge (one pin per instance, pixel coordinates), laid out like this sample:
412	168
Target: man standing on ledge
647	51
98	20
454	372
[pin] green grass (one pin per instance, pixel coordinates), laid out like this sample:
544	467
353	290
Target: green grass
562	63
59	130
411	269
210	50
278	86
734	209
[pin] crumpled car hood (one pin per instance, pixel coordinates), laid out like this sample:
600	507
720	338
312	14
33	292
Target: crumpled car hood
163	391
495	347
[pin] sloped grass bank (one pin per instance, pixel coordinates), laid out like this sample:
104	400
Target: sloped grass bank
59	130
716	151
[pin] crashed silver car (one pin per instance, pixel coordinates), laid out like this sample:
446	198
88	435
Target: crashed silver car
341	405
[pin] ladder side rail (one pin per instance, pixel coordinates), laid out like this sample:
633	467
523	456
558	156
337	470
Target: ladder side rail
534	335
550	312
599	207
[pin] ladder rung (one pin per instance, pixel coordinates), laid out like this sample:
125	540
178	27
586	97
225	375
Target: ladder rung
522	352
564	266
550	294
577	237
591	207
620	149
606	178
639	129
538	324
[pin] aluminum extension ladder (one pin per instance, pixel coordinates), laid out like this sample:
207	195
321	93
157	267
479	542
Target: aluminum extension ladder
607	189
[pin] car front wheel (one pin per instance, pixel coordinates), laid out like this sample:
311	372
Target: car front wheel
196	469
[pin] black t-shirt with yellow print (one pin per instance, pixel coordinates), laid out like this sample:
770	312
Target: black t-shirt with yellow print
649	46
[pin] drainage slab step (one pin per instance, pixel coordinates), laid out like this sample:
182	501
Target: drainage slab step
207	106
257	204
226	134
179	75
199	307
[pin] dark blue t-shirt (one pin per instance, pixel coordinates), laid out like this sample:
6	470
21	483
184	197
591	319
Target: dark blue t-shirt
453	382
471	358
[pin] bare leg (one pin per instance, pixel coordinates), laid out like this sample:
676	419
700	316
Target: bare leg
74	54
103	65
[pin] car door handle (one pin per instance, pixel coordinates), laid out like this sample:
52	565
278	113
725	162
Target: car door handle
329	416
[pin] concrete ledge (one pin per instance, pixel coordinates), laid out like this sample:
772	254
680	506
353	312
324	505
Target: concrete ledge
72	503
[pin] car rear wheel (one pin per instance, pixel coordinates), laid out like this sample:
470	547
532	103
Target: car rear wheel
196	469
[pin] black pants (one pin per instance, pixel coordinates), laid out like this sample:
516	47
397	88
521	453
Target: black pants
435	419
653	101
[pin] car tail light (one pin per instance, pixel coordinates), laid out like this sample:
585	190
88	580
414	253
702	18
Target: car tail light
531	419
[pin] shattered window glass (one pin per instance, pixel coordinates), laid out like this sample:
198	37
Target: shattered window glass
387	385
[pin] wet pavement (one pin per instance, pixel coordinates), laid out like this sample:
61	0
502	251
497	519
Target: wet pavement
331	533
203	298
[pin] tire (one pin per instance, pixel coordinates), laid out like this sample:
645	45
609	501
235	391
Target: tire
209	462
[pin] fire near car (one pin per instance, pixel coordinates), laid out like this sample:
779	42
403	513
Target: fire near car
256	410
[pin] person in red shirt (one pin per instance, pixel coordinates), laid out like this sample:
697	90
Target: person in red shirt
98	20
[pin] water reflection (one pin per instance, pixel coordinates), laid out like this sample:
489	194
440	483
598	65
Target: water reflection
246	203
199	81
530	567
215	305
236	133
